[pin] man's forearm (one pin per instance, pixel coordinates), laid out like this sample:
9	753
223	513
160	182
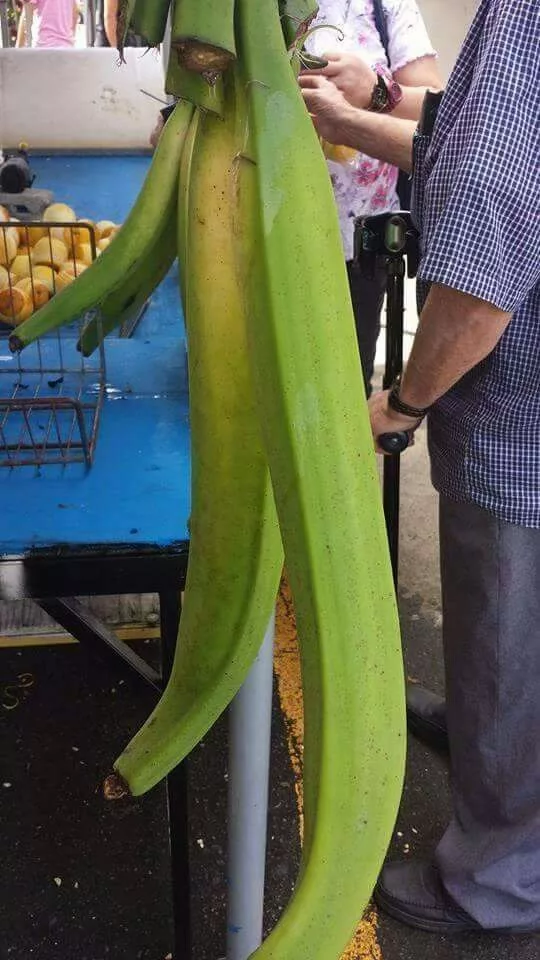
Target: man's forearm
456	331
383	137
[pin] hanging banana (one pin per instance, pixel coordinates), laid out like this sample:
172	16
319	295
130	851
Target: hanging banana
319	447
235	558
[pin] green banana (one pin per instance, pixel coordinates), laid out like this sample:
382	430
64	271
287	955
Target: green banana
127	300
235	553
320	453
155	205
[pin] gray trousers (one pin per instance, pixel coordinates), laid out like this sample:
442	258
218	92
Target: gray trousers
489	857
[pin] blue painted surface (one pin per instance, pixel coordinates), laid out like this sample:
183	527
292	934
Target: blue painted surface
100	187
137	491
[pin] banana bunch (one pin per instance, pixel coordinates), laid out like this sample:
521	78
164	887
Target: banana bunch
281	445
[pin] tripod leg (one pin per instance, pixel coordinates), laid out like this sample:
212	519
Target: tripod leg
393	366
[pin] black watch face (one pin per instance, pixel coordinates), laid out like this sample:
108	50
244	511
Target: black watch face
380	95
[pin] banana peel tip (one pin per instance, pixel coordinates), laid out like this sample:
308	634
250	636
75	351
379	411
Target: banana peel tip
115	787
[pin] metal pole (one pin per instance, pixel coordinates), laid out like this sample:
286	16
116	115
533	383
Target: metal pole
249	762
4	27
90	21
394	365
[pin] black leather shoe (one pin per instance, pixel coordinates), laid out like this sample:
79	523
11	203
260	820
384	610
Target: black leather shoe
426	717
413	894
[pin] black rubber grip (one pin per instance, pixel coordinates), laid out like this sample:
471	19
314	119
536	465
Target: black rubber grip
394	442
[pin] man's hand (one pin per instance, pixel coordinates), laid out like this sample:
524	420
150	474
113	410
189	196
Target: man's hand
328	108
385	420
351	75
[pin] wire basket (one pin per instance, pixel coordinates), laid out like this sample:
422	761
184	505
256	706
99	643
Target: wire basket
50	395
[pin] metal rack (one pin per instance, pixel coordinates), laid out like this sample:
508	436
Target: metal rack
50	395
8	22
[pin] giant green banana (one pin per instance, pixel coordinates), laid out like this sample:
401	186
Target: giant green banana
155	205
320	453
235	553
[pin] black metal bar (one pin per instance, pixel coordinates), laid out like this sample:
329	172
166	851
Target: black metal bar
91	633
393	366
97	572
177	795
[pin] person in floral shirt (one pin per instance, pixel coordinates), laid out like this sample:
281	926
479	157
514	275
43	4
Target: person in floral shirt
363	185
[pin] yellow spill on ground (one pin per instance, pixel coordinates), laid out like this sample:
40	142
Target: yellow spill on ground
287	666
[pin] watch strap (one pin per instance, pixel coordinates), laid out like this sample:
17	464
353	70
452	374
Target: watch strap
387	93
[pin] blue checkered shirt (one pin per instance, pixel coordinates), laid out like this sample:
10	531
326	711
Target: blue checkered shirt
476	199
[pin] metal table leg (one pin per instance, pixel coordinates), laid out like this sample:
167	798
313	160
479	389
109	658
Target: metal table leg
177	797
97	638
249	761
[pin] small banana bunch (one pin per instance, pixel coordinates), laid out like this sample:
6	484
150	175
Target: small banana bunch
282	452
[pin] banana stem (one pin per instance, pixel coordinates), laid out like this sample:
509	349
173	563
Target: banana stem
203	35
124	13
296	16
149	20
187	85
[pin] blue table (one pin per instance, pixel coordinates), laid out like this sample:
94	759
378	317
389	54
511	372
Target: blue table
121	527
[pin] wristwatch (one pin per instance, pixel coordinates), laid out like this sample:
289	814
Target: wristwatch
387	92
397	404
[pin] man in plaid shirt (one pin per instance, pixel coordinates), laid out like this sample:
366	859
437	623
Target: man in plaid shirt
475	370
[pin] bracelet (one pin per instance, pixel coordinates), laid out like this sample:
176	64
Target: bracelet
399	406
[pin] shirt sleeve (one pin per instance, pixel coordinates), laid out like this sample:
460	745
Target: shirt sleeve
485	237
408	38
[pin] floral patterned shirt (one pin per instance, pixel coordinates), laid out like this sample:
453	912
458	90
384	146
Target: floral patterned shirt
364	185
